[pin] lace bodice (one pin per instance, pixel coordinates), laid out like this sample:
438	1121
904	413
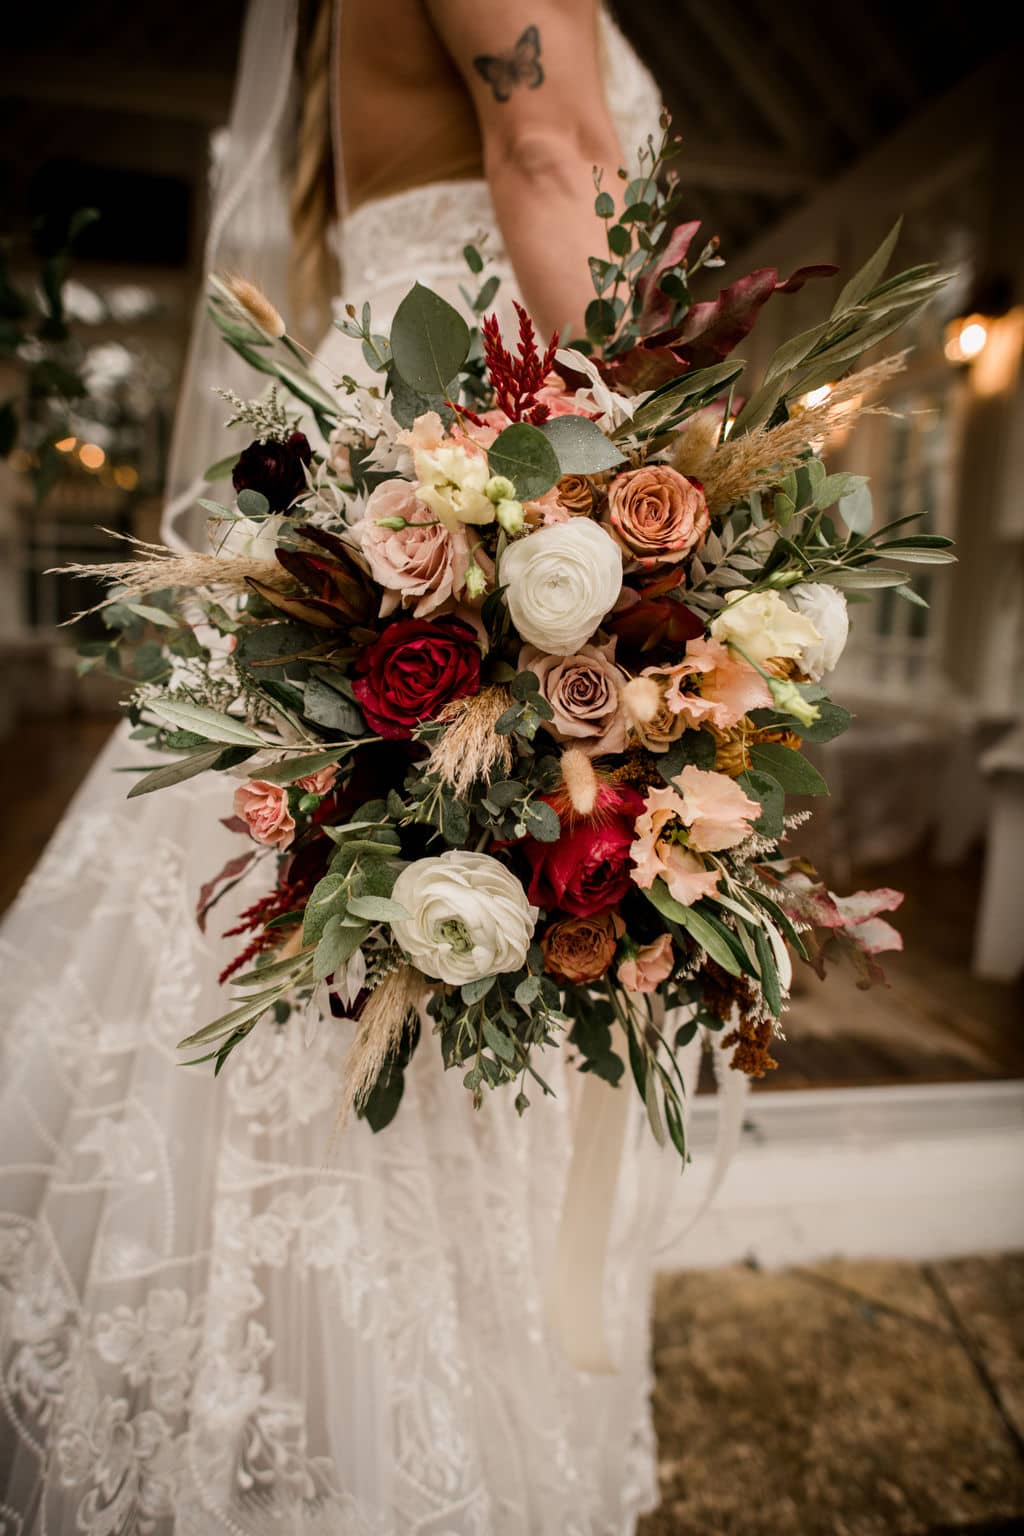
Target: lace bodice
418	234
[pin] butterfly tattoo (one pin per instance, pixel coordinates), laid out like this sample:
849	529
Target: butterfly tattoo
520	66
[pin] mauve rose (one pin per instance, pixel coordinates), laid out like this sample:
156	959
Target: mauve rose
274	469
412	670
581	949
583	691
657	514
588	869
264	809
421	565
649	967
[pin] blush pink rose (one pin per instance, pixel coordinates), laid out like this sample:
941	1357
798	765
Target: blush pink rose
583	691
657	515
320	782
422	565
264	809
649	967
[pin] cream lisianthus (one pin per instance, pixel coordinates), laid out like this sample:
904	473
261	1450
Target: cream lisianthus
762	625
468	917
453	483
249	539
561	581
826	608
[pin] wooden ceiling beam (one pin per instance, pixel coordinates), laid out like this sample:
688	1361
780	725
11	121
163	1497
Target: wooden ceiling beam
743	168
740	52
68	82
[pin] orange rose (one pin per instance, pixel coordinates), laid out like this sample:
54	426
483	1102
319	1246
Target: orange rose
581	949
576	494
657	515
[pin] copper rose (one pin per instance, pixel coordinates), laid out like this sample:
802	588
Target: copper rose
576	494
657	515
581	949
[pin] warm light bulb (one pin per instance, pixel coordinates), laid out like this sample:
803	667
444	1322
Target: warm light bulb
966	339
92	456
66	444
817	396
126	476
973	338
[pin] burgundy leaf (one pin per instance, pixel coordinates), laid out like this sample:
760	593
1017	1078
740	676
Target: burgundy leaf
209	895
655	306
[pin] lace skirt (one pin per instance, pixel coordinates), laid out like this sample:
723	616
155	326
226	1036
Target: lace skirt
218	1313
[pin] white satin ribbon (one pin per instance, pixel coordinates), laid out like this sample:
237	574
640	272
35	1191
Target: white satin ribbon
575	1296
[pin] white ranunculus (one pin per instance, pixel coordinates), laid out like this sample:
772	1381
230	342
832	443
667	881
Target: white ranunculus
453	484
826	608
469	917
561	582
248	538
762	625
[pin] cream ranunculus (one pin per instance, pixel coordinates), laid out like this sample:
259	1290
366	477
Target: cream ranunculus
561	582
453	484
248	539
825	606
469	917
762	625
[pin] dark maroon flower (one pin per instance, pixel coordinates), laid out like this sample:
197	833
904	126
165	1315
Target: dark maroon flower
275	470
414	669
588	869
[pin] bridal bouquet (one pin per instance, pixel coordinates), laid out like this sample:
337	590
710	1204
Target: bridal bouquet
510	676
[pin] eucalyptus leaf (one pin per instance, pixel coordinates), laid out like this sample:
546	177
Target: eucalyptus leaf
795	774
857	509
429	341
525	455
338	943
378	909
580	445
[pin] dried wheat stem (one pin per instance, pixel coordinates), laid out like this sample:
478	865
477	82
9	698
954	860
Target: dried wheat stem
378	1036
156	568
470	748
758	459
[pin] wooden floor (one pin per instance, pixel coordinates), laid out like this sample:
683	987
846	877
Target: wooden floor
933	1023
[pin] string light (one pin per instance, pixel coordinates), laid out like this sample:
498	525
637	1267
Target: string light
817	396
91	456
966	338
66	445
126	476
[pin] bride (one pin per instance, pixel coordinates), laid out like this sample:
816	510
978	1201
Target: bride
217	1312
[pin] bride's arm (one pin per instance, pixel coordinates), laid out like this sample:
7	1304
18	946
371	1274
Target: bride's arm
534	71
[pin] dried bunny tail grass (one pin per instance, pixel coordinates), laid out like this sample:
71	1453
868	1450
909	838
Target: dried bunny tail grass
757	459
378	1036
254	302
471	748
157	567
580	781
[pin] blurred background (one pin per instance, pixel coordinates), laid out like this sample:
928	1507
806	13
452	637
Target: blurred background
807	130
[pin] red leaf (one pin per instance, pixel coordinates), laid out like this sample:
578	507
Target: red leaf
209	895
655	306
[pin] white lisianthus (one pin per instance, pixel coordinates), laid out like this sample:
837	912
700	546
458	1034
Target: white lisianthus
469	917
453	484
561	582
826	608
762	625
249	539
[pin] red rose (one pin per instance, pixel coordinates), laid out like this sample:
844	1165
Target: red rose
414	669
588	869
276	470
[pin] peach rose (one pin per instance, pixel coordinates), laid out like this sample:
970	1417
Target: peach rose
583	691
649	967
657	515
264	809
320	782
581	949
421	565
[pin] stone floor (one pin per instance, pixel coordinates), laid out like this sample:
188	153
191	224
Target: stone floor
865	1399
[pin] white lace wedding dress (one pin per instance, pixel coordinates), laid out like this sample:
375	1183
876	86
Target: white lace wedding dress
215	1316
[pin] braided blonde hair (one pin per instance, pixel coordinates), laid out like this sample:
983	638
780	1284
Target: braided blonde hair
312	275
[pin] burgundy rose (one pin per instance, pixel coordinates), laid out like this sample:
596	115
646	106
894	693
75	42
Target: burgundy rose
588	868
416	667
275	470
